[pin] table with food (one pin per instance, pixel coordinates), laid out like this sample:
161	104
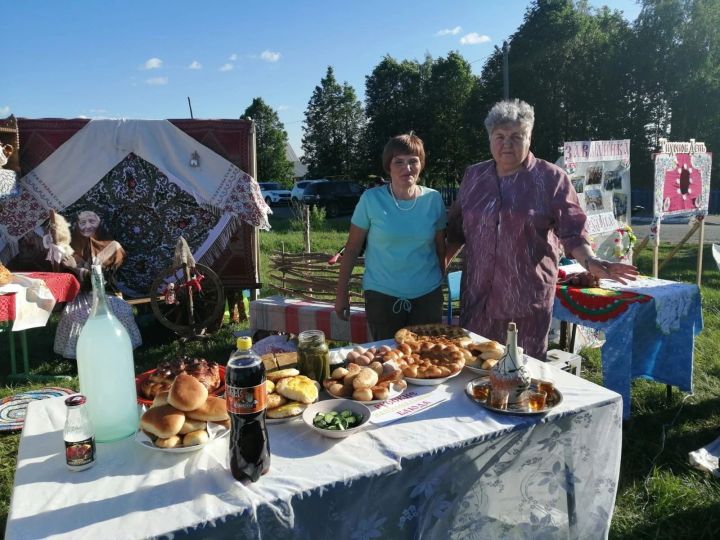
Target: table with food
438	433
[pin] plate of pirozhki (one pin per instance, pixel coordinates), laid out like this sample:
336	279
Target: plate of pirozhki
289	394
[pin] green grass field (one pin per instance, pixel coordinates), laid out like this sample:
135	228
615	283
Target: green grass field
659	495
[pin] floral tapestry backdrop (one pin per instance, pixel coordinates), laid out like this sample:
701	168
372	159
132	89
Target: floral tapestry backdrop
146	213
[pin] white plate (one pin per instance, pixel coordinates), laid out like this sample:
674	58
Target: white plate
431	382
479	371
394	392
215	431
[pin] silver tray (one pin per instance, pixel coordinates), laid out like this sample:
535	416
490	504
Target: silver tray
552	401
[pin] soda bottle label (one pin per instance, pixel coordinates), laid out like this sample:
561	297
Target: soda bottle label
249	400
79	453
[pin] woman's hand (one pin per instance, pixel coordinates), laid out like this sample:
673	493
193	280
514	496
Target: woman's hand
603	269
342	307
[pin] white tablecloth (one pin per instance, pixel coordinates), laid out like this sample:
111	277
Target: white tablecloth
453	471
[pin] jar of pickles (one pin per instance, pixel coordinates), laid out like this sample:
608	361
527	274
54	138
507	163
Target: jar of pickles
313	355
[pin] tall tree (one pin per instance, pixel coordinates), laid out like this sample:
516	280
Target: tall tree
333	130
271	140
678	53
394	104
449	138
569	62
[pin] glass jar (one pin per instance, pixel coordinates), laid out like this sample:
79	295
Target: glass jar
313	355
79	435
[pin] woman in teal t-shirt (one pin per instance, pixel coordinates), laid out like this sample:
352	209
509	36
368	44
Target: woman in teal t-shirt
404	225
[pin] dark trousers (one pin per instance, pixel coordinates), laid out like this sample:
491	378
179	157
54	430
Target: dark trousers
388	314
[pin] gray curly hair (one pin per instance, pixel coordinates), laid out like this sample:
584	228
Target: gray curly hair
510	111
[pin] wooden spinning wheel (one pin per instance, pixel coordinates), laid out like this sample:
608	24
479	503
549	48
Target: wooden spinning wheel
188	300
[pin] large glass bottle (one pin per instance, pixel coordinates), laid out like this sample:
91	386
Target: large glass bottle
511	373
106	370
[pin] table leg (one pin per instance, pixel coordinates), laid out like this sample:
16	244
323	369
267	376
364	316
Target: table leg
13	363
24	349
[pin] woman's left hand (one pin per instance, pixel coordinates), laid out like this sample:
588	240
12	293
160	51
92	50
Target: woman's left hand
603	269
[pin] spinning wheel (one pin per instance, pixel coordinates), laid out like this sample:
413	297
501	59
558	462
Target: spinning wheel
188	299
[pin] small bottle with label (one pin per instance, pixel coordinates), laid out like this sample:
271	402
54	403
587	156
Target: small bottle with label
79	435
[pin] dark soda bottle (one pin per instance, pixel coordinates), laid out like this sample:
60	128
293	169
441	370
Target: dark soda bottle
246	396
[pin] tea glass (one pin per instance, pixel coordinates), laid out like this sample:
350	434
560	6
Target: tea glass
499	398
536	400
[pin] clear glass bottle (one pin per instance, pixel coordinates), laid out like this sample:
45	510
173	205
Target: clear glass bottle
78	435
313	355
511	373
106	369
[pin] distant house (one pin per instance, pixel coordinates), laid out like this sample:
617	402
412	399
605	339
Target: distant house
299	170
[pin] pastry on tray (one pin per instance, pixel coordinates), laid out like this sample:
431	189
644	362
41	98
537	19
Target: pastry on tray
208	373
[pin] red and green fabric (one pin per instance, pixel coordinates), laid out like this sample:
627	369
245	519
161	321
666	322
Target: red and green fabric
595	304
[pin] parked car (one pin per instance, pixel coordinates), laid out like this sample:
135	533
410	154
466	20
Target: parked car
298	189
335	197
274	193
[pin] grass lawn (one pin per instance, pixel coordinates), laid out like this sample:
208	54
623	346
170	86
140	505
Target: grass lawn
659	495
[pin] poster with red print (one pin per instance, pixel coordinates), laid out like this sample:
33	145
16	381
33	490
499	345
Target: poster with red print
682	179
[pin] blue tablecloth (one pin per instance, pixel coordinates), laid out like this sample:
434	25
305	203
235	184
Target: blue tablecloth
641	342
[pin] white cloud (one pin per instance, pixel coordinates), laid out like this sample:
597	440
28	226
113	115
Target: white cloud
97	111
157	81
195	65
5	111
270	56
283	107
473	38
227	67
153	63
449	31
233	57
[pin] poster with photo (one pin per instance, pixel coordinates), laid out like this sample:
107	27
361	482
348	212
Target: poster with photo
682	179
600	173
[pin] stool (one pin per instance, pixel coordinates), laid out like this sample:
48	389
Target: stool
564	360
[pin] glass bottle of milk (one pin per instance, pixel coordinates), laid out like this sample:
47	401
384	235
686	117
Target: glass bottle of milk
106	369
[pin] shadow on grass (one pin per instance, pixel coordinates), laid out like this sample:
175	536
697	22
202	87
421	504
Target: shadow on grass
705	526
685	430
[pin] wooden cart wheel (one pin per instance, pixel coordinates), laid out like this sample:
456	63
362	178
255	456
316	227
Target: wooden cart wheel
195	309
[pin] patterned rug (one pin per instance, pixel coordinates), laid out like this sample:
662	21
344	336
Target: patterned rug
13	408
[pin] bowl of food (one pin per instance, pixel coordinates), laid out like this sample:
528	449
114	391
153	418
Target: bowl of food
336	418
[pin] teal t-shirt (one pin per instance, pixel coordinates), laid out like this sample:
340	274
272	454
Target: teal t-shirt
400	257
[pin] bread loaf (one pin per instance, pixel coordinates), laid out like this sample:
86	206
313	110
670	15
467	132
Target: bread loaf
187	393
163	421
194	438
213	410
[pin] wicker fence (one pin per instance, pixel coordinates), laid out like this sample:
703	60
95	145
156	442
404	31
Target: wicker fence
310	277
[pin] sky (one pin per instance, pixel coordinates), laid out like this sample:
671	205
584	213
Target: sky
142	59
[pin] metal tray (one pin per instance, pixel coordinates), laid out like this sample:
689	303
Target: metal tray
552	401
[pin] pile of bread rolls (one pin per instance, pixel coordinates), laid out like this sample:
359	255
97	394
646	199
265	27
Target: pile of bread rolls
365	383
180	416
289	393
486	354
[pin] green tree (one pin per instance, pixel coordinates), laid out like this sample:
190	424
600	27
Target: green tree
677	51
333	130
271	140
449	138
394	104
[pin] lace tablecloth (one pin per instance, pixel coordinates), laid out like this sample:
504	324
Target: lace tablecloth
650	327
453	471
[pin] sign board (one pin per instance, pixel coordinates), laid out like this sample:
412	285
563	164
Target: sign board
600	173
682	179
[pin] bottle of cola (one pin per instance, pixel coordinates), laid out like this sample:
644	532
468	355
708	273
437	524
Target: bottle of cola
246	396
